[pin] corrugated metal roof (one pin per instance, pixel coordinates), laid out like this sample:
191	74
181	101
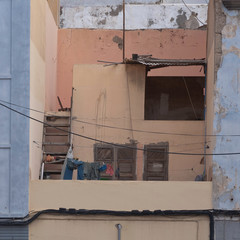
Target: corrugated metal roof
160	63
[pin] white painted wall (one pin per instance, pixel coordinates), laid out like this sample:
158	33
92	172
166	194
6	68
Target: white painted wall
117	2
141	14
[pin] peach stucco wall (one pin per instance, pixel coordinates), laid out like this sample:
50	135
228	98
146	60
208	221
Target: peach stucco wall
109	195
37	82
114	96
43	76
85	46
51	61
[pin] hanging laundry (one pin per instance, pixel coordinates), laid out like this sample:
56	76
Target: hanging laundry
73	164
85	170
92	170
110	170
49	158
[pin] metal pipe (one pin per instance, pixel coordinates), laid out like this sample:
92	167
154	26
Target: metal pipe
205	123
123	30
42	171
119	227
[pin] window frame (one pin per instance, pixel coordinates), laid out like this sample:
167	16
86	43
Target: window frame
163	145
151	80
115	159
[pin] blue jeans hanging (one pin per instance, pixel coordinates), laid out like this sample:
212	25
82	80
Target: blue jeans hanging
71	165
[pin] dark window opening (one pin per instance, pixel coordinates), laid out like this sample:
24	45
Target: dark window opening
121	159
156	162
174	98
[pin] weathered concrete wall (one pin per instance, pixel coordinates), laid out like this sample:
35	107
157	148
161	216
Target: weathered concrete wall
84	46
115	96
108	14
226	108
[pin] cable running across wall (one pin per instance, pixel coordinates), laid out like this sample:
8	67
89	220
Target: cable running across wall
114	144
190	99
194	14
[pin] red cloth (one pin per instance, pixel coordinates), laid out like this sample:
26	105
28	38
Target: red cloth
109	170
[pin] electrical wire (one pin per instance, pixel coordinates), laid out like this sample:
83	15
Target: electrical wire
192	12
210	213
127	129
190	99
73	211
172	145
118	145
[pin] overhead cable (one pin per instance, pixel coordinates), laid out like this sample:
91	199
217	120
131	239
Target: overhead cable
128	129
190	99
115	144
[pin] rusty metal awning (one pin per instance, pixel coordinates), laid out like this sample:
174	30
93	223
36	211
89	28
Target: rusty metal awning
152	63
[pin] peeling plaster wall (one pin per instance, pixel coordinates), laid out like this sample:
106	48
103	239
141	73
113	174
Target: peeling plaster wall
108	14
226	194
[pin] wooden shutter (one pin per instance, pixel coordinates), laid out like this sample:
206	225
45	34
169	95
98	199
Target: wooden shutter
104	154
156	162
126	163
122	159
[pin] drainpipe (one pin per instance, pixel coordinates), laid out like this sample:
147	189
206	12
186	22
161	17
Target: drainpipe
119	227
123	30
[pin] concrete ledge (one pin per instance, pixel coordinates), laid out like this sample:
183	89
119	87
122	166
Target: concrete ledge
119	195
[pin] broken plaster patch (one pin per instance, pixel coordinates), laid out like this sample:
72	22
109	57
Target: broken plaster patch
192	22
150	22
220	181
119	41
181	19
232	49
115	10
229	31
102	22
